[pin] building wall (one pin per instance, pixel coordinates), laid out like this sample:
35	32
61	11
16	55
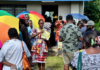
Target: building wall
81	8
63	7
34	6
74	7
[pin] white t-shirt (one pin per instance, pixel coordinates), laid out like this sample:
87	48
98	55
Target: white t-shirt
12	52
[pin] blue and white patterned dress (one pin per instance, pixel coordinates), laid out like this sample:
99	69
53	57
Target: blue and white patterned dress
89	61
30	34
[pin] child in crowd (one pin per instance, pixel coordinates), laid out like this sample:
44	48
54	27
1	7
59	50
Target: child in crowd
60	43
30	29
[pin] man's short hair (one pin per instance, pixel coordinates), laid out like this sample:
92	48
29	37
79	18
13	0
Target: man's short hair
84	20
60	18
69	17
12	32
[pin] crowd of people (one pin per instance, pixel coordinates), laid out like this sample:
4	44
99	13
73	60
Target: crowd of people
83	36
28	47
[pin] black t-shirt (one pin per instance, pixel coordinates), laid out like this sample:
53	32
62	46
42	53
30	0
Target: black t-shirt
26	38
97	32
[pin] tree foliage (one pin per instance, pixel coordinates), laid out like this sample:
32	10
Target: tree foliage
97	26
92	10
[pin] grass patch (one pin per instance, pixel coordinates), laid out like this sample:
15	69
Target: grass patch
53	63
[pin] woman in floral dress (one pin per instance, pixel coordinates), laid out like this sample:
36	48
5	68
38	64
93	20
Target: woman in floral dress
39	48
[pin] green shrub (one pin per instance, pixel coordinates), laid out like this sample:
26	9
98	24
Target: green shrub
97	26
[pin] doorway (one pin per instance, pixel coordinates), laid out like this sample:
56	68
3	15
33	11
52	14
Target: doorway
51	9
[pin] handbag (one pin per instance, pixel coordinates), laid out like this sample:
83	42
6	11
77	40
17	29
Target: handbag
79	64
25	62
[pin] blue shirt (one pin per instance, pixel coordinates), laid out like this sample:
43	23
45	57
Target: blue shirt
30	34
83	29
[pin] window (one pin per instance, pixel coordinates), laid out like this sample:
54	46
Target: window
19	9
13	9
6	8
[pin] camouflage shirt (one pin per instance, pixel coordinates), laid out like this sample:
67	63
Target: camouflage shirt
70	34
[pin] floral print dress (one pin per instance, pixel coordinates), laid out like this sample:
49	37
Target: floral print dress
39	48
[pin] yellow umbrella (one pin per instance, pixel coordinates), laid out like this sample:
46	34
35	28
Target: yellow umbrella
7	22
34	20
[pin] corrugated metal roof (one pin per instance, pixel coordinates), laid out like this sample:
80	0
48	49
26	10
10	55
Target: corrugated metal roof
46	0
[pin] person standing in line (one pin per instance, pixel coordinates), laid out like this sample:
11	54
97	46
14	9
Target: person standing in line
58	26
74	22
80	25
39	48
90	26
83	29
11	53
26	20
23	28
55	29
90	56
30	29
47	26
69	35
60	43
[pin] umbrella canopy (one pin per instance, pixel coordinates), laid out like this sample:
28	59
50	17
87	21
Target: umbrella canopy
0	44
4	13
7	21
34	16
78	16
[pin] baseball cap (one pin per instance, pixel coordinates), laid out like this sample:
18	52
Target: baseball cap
90	22
22	16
